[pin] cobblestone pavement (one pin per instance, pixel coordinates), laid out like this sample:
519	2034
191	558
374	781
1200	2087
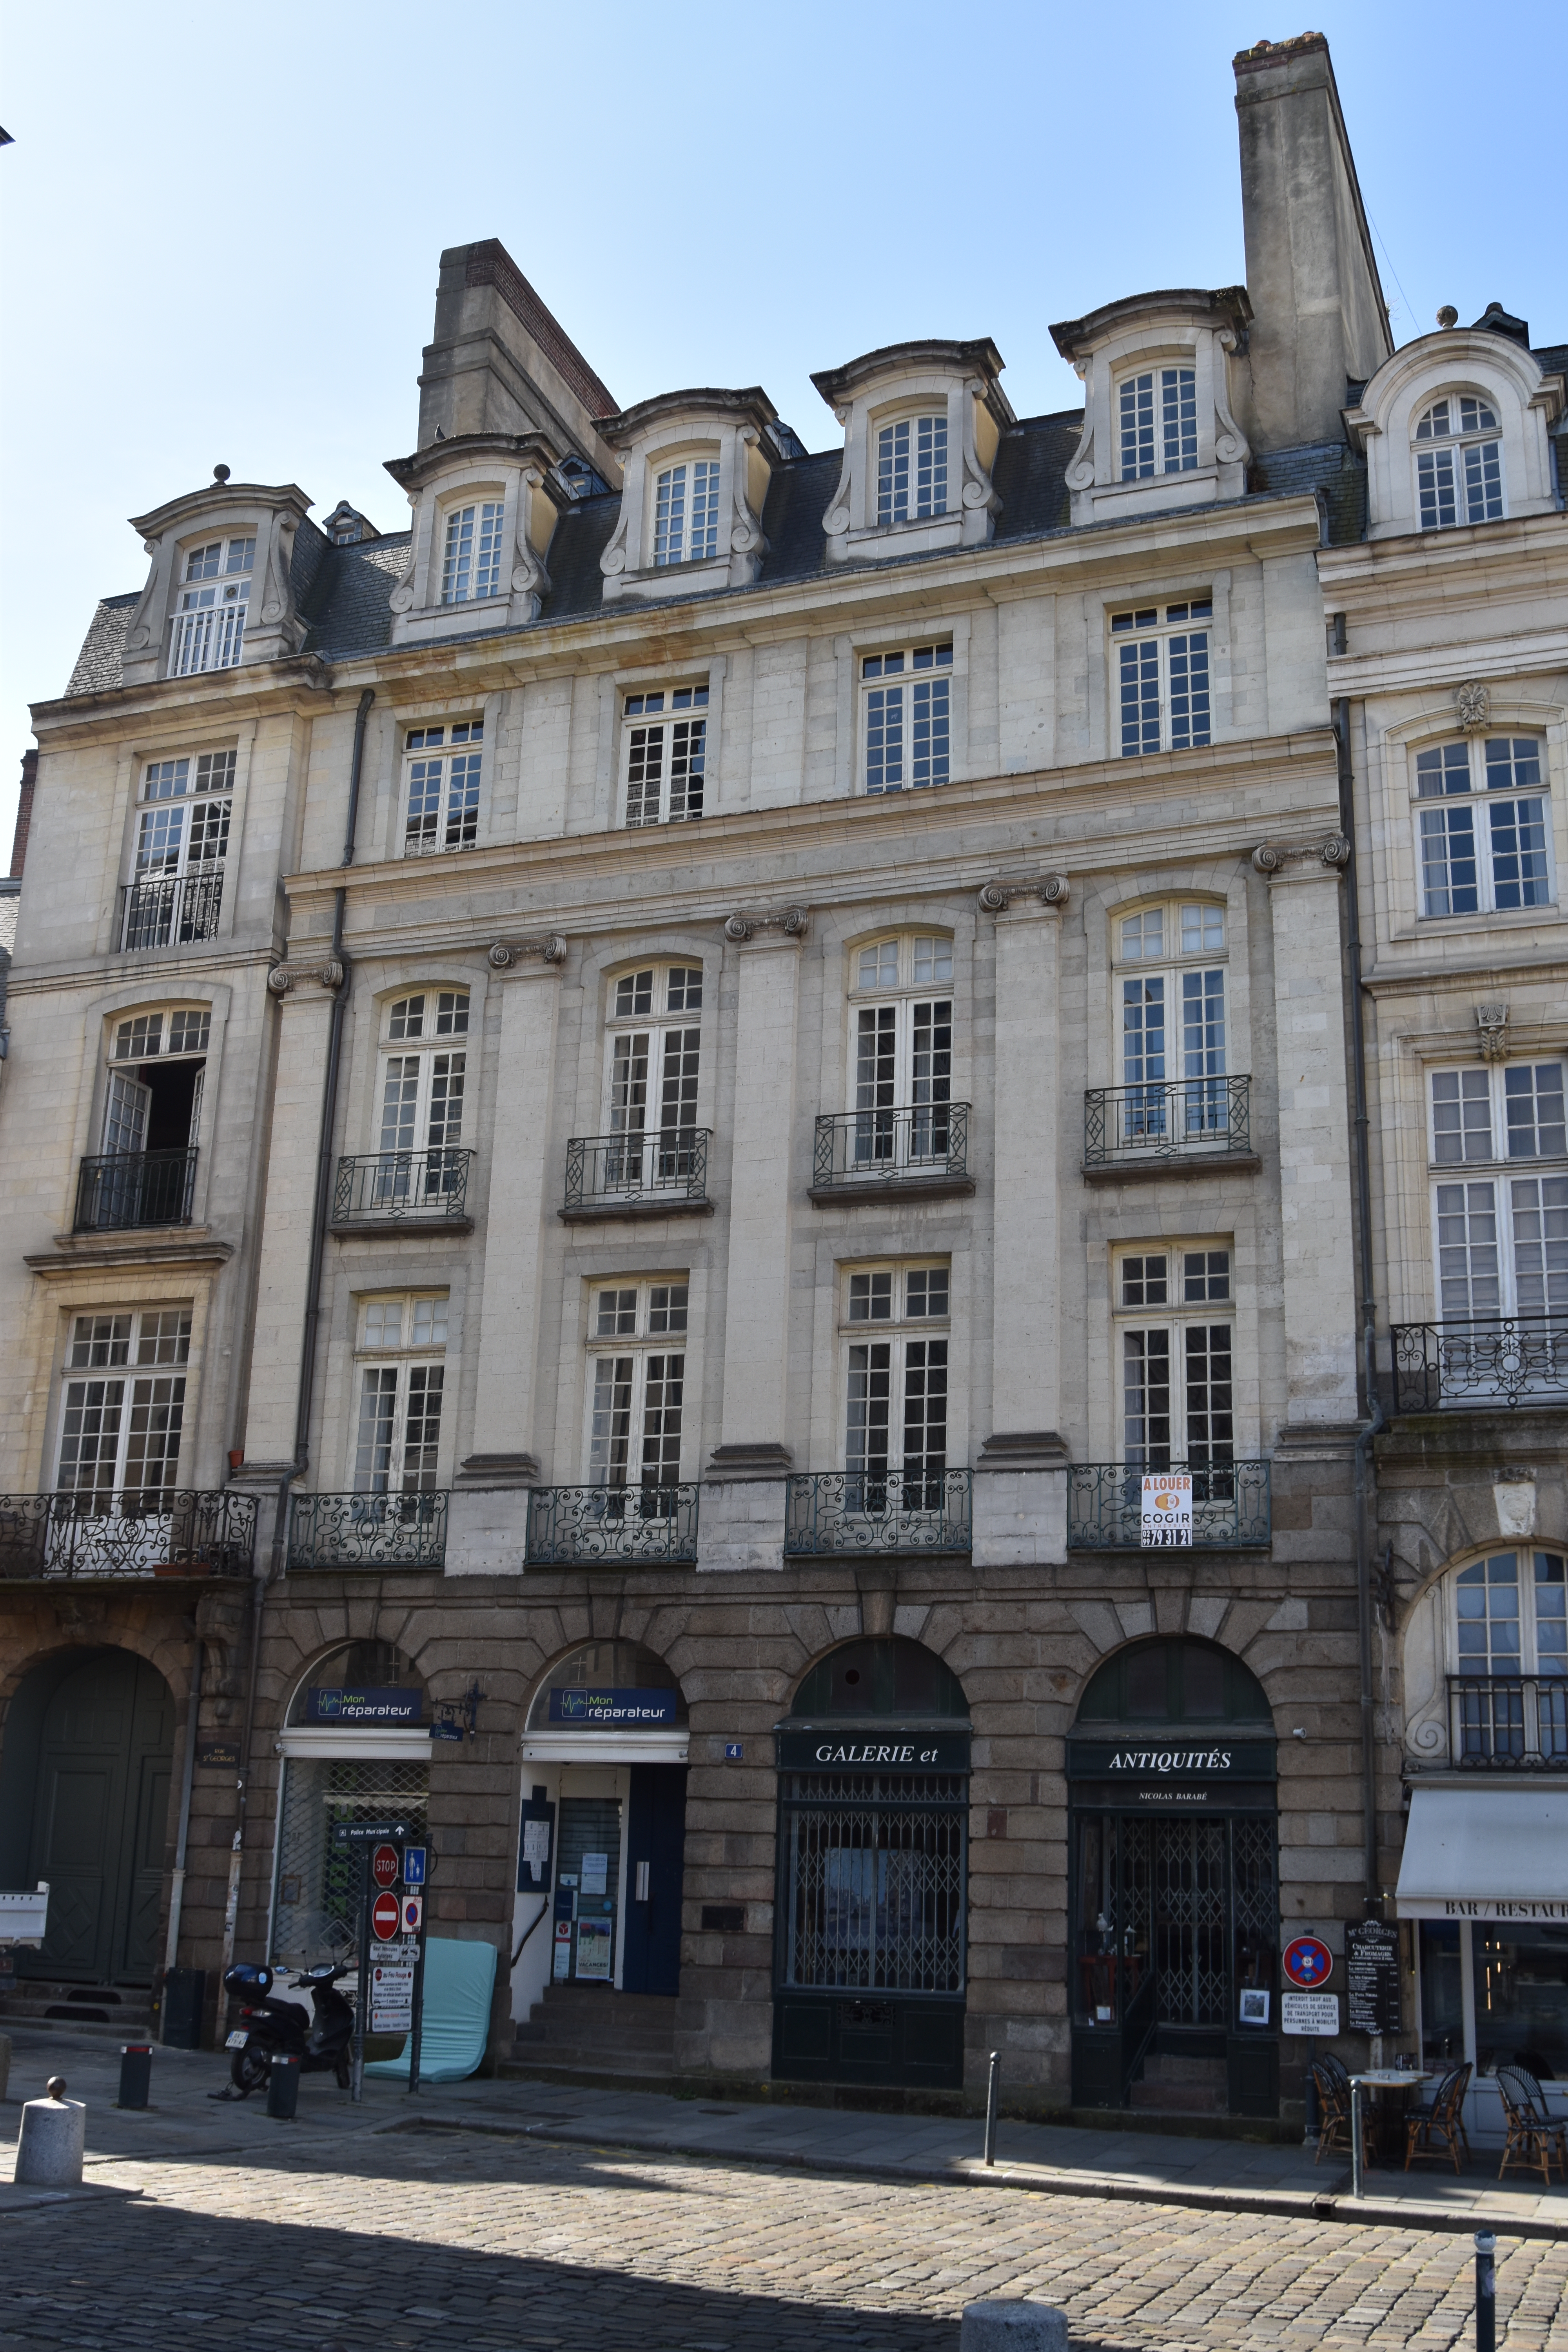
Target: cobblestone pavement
435	2236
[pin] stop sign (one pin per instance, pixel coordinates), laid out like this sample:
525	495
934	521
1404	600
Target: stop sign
385	1916
385	1866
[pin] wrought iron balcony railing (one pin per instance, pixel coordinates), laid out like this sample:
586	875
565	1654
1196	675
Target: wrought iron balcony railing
859	1147
170	910
147	1531
368	1530
662	1167
878	1511
389	1187
120	1189
1174	1119
1509	1723
1491	1360
1105	1505
610	1527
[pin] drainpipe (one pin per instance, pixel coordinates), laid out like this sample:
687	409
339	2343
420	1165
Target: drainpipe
187	1778
1377	1421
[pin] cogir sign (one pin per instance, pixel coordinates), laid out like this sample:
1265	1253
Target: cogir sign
1166	1517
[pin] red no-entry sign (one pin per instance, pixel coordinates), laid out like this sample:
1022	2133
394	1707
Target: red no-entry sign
385	1916
384	1865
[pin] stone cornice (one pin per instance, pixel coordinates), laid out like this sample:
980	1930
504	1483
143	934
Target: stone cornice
1473	551
156	975
1434	668
1424	979
216	698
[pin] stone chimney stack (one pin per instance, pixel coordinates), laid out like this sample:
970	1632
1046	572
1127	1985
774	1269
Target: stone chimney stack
1319	315
25	810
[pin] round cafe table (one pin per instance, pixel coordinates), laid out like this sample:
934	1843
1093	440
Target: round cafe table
1388	2115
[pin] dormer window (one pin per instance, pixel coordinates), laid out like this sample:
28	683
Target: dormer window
912	469
1458	462
470	565
1159	420
686	512
214	595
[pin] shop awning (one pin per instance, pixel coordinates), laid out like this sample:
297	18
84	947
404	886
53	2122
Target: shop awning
1486	1853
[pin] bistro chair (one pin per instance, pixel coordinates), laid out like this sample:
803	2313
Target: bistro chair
1535	2136
1435	2128
1334	2112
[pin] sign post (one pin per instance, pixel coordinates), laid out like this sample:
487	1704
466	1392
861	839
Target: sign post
414	1862
363	1837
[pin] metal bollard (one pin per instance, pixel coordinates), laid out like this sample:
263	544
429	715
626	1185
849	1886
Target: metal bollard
283	2088
1486	2292
1358	2156
135	2074
993	2088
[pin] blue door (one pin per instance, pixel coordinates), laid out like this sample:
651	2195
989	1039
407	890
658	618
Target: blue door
655	1859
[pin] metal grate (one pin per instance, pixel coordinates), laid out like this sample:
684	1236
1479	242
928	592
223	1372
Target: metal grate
874	1868
315	1915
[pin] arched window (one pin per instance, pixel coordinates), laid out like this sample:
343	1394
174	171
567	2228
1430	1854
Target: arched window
213	599
356	1748
145	1173
891	1675
1458	462
1510	1636
1173	1682
605	1667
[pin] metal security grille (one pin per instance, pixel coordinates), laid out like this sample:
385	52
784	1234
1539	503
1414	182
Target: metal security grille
1195	1902
874	1868
316	1910
1190	1922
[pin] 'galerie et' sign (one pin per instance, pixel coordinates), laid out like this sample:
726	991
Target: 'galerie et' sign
923	1749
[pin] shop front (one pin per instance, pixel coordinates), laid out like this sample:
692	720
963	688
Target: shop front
1174	1920
871	1919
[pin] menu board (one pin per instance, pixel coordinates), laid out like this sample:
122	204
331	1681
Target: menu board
1372	1976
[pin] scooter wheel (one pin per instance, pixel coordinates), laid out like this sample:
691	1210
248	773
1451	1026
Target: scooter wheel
249	2070
343	2074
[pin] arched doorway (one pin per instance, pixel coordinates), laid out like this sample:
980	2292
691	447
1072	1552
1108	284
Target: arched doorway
1175	1898
84	1803
870	1956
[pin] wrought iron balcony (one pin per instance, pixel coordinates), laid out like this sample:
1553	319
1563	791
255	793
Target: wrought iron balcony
1105	1505
1490	1359
368	1530
121	1189
926	1144
1173	1118
660	1170
381	1188
878	1511
149	1531
1509	1723
610	1527
170	910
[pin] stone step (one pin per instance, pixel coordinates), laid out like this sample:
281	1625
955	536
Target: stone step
1180	2099
1168	2066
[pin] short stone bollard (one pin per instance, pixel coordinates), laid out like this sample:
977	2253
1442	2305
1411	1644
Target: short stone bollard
1013	2324
54	2138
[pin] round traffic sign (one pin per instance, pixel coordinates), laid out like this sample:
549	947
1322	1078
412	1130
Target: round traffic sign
386	1865
1308	1962
385	1916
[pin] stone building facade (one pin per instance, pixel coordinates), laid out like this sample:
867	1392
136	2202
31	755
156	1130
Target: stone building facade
648	1119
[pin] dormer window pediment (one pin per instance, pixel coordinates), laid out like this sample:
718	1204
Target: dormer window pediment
485	509
697	468
1455	430
922	423
220	590
1158	431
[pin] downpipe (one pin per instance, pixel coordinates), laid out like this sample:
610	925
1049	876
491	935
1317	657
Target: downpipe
181	1834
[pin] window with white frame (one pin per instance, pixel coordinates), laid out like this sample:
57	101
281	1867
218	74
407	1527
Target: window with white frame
423	1072
1483	836
1160	676
151	1119
1175	1358
176	894
441	794
1497	1110
1510	1621
1157	417
402	1358
655	1052
637	1380
905	724
902	1071
211	604
1502	1247
122	1408
665	754
895	1323
911	469
1170	972
471	553
686	512
1458	462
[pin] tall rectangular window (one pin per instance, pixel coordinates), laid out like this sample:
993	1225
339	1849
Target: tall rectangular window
1158	417
1177	1393
896	1395
122	1409
442	787
907	719
666	755
1459	463
637	1383
402	1383
912	469
211	604
182	841
1482	830
1161	672
686	512
471	558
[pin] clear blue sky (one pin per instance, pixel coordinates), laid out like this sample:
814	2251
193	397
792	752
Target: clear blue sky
221	228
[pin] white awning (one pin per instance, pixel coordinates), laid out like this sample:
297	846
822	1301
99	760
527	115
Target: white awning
384	1746
1486	1853
556	1744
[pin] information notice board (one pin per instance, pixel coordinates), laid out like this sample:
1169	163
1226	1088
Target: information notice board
1372	1976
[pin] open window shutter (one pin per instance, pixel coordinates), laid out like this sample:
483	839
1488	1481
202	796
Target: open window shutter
126	1112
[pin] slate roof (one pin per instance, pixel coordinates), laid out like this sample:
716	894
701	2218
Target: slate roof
97	668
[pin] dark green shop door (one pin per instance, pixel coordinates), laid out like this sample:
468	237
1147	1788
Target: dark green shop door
100	1818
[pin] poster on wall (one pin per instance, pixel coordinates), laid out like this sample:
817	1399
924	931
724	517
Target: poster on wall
596	1948
1165	1520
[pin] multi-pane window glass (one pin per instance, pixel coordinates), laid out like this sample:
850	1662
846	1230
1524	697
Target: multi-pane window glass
636	1386
471	557
120	1425
1511	1110
1172	1022
1160	658
655	1053
896	1386
422	1086
1176	1359
1511	1620
443	792
666	755
1459	463
912	469
908	711
686	512
1158	414
140	1039
398	1435
1502	1246
186	821
902	1067
1481	826
213	599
